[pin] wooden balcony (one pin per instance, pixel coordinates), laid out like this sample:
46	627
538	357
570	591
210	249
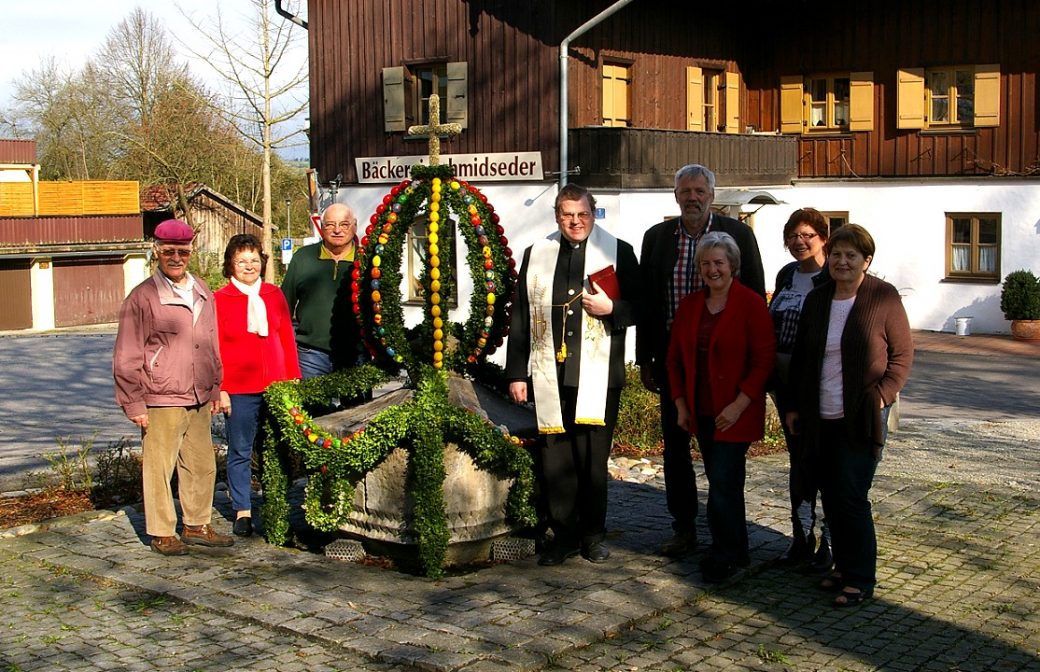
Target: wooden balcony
638	158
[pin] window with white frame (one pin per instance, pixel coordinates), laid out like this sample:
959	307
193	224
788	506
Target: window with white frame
973	246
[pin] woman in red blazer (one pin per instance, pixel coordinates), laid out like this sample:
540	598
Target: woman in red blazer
257	348
721	354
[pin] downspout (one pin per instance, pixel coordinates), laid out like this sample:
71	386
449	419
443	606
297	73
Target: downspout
585	27
292	17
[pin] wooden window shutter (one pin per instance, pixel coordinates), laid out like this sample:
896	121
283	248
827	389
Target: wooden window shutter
393	99
694	98
987	95
733	102
910	109
791	102
458	94
861	101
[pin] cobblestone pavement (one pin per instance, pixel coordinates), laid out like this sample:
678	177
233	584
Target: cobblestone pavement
959	590
958	514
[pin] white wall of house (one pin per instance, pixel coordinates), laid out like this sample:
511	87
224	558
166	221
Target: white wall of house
907	219
135	270
41	282
908	222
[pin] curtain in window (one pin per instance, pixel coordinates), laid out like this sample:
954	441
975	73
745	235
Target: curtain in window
962	259
987	260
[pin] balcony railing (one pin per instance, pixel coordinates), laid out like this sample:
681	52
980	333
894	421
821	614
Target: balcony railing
637	158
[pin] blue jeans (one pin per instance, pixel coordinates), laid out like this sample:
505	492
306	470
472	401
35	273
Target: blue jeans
313	363
725	465
241	430
847	474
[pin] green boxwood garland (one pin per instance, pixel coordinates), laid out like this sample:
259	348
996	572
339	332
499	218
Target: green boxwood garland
335	464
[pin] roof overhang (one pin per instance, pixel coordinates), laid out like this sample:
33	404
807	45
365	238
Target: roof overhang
734	197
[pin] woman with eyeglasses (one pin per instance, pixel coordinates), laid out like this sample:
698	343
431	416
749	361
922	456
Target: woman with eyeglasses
805	235
852	355
720	356
257	347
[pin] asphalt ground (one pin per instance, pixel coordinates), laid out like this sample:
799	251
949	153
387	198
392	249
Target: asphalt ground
959	584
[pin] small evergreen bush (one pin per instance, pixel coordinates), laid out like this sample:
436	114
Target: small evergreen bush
1020	296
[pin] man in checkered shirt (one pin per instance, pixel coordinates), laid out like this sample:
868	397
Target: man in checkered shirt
668	274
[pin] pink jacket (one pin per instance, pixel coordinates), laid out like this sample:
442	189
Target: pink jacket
166	353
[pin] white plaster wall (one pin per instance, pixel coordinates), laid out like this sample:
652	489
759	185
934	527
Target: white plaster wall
908	223
907	220
41	283
135	270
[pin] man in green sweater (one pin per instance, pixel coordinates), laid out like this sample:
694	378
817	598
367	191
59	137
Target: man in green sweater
317	288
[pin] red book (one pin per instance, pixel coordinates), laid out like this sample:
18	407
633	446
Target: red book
607	281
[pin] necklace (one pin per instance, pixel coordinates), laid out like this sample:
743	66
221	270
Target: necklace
715	305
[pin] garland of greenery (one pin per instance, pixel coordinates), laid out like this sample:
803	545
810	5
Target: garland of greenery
336	463
293	443
435	194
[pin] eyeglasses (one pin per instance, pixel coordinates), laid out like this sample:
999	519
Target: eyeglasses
804	237
574	215
170	252
338	225
242	263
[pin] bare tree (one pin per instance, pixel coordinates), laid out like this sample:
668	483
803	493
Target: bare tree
69	115
139	63
263	97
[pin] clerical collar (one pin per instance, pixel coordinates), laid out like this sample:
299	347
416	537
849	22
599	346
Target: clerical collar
570	243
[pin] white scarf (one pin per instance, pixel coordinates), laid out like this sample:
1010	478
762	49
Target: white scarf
601	251
256	311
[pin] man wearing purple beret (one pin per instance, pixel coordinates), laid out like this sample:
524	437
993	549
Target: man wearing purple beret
167	372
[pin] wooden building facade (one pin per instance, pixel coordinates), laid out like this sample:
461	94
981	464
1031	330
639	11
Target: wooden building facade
826	105
213	216
69	251
796	71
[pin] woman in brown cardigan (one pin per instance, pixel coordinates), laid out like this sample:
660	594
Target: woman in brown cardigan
852	355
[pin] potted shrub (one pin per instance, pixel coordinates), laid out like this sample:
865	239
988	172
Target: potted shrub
1020	301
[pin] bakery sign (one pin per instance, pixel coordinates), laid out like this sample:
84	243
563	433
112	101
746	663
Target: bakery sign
497	167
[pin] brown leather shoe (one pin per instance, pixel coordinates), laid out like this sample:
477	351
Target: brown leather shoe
168	546
204	535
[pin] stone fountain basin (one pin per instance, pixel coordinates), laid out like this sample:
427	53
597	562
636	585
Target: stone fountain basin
474	499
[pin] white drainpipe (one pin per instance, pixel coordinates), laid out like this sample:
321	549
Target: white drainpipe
585	27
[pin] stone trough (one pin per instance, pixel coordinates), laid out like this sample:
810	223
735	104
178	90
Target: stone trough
474	499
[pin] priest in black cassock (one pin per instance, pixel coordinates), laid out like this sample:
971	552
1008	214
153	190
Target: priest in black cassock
566	353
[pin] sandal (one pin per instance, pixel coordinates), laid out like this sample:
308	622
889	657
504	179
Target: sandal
850	599
832	583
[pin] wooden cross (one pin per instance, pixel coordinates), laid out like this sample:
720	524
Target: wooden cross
434	130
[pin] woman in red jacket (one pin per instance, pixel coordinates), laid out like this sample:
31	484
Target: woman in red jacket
720	356
257	348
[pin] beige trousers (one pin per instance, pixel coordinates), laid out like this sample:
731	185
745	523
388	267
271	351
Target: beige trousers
177	437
